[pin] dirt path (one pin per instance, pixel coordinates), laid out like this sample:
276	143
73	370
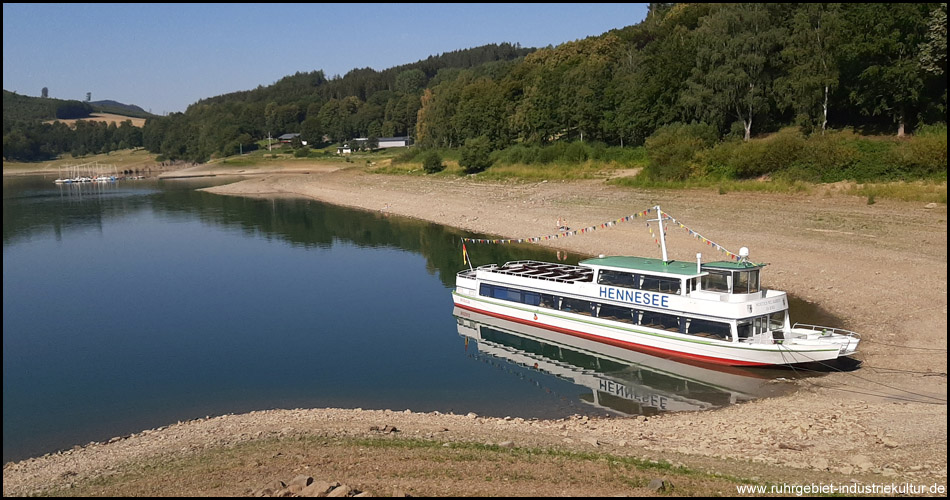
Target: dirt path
882	268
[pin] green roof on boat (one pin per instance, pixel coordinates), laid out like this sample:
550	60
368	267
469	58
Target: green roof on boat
657	265
644	264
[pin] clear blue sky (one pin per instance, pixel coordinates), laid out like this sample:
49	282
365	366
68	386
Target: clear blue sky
164	57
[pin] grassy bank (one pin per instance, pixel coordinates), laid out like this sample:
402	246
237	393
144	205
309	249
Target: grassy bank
690	157
416	466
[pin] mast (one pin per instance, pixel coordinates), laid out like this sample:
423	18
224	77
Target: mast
659	219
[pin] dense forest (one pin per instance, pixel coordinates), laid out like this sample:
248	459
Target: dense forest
711	72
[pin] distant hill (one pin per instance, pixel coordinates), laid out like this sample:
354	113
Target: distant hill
18	107
118	108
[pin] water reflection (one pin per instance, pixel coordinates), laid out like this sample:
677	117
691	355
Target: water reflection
619	381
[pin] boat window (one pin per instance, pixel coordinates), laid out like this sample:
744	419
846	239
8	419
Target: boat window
740	283
660	320
576	306
665	285
716	281
777	321
617	278
512	294
746	282
757	325
745	329
710	329
616	313
549	301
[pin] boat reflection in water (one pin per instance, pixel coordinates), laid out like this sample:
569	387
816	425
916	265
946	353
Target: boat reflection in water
621	381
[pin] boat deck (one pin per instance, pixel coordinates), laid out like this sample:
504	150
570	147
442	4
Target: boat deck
540	270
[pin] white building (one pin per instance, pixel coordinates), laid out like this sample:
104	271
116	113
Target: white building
383	143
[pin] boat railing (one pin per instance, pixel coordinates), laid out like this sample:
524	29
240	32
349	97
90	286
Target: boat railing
562	273
466	273
826	330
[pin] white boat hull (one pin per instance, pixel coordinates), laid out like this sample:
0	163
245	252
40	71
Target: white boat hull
658	342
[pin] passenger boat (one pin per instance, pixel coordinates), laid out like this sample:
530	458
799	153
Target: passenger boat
712	312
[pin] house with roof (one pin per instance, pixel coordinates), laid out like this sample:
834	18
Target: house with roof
382	143
288	138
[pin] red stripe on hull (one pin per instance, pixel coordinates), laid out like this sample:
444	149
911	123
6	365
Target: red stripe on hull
680	356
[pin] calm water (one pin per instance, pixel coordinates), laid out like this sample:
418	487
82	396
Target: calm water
133	305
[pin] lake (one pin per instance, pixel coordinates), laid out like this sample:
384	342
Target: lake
136	304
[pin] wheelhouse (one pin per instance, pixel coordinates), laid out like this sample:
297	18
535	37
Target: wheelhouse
740	278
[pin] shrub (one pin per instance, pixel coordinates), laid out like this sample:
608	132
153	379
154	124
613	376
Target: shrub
925	154
672	149
719	162
475	155
432	162
825	156
575	152
769	155
406	156
302	152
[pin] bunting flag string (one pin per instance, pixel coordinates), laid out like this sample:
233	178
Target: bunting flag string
562	234
655	237
703	239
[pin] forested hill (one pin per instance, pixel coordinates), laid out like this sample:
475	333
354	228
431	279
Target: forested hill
118	108
17	107
739	70
363	83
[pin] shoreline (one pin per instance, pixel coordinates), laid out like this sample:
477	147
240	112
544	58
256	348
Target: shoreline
881	268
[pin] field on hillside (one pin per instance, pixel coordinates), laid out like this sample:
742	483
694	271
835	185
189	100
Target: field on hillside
104	117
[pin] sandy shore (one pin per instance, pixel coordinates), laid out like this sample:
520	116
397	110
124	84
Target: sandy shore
881	268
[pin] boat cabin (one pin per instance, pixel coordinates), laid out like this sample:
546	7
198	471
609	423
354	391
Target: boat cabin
681	278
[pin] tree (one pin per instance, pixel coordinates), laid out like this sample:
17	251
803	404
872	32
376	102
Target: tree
372	142
933	51
481	112
311	131
812	51
887	78
411	81
733	77
475	155
436	126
